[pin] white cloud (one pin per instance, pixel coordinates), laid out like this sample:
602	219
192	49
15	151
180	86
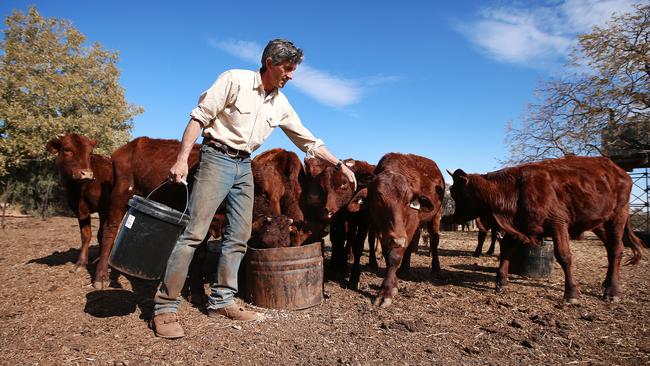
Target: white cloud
244	50
541	35
323	87
381	79
326	89
584	14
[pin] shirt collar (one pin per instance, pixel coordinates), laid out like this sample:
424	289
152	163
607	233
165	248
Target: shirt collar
259	86
258	81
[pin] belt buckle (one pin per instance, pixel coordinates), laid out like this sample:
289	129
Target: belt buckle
228	149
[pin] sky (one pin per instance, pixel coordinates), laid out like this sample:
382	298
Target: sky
440	79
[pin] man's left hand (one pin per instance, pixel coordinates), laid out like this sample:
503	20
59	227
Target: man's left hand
350	175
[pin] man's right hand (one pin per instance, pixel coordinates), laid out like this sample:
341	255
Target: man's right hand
178	172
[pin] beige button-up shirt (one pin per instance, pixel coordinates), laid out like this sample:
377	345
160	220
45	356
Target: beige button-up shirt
237	112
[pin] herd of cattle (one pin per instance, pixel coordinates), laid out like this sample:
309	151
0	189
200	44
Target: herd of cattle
403	193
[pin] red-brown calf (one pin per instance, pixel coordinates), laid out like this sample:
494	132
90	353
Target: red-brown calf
328	194
560	198
269	230
139	167
87	179
406	192
277	176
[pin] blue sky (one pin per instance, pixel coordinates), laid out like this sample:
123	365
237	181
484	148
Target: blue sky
438	79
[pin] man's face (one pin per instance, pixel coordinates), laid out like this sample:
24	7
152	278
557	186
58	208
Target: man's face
281	74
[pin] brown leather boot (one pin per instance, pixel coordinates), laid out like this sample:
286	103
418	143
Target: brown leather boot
167	325
234	312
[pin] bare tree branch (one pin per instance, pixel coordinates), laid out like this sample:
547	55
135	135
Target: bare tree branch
587	110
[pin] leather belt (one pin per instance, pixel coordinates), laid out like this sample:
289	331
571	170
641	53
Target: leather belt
233	153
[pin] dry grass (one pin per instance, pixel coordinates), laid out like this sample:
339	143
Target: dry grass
51	316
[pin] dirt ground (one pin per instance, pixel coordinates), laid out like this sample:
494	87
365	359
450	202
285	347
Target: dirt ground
50	316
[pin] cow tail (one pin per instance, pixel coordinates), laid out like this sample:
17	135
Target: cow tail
638	247
441	196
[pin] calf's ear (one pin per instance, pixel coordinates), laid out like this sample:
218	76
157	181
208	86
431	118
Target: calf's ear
257	224
358	201
425	203
364	179
314	166
53	146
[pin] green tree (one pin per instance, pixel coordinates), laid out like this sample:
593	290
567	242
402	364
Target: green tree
53	82
603	94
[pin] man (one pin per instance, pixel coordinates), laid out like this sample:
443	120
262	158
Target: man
236	115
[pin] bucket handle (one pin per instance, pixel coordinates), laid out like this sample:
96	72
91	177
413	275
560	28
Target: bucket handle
187	195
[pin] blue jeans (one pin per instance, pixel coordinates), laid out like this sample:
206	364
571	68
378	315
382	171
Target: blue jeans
219	177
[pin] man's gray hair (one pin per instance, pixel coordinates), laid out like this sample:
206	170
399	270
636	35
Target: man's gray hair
281	50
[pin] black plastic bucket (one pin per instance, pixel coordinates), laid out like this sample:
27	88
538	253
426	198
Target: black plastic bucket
533	261
147	235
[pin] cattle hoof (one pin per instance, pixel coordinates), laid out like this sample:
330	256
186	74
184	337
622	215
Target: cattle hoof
572	301
612	299
76	268
383	302
353	285
99	285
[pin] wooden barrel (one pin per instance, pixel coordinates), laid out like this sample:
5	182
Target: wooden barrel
533	261
284	278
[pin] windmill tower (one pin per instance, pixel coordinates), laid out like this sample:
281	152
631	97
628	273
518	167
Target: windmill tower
629	148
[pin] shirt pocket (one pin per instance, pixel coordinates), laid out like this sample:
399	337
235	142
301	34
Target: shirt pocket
273	121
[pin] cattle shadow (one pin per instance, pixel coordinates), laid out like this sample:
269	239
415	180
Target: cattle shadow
475	267
470	278
513	278
59	258
372	294
454	253
424	251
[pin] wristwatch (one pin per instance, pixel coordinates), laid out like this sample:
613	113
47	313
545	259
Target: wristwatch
339	165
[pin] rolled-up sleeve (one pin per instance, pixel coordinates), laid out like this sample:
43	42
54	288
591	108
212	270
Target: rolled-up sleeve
213	100
299	134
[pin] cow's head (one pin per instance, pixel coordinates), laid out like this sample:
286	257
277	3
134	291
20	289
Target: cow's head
465	199
73	156
394	206
271	231
328	189
299	232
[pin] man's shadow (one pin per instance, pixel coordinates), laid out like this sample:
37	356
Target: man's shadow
121	302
